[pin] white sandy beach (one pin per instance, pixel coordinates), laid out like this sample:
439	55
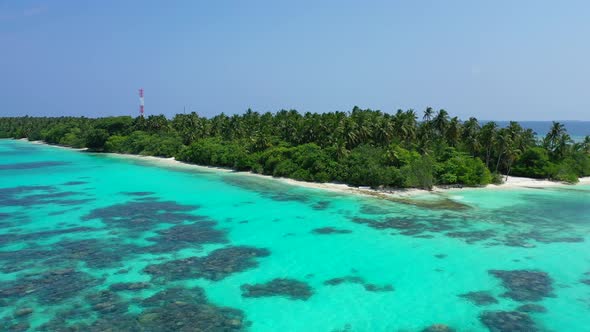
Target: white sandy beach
511	182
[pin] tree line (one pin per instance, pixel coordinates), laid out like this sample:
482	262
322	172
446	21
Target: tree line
362	148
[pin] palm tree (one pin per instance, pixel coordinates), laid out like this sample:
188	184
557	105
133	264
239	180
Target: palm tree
441	122
470	135
586	144
488	134
453	132
384	131
428	114
512	153
556	140
502	143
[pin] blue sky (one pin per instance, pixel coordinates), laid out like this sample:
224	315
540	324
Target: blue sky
497	60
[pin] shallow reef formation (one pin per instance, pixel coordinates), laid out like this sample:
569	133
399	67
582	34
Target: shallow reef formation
442	203
186	236
142	216
474	227
438	328
289	288
74	183
14	325
95	253
270	189
358	280
138	193
330	230
508	321
473	236
27	196
107	302
525	285
51	287
531	307
17	237
321	205
188	310
172	309
128	286
32	165
407	226
217	265
373	209
480	298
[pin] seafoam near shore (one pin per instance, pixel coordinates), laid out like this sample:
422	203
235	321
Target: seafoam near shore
510	182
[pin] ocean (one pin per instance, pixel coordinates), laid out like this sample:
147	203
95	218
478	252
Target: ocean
95	241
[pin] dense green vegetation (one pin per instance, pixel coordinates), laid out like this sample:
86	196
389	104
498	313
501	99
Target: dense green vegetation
361	148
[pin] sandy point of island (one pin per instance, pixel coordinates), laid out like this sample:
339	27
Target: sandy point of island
510	182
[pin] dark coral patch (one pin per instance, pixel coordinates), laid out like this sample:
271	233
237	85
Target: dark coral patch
143	215
104	322
51	287
288	197
531	308
358	280
174	309
373	209
289	288
321	205
74	183
438	328
128	286
267	188
170	306
472	236
25	196
138	193
11	325
525	285
187	236
32	165
217	265
508	321
107	303
377	288
19	260
13	191
159	299
18	237
330	230
187	310
407	226
95	253
480	298
341	280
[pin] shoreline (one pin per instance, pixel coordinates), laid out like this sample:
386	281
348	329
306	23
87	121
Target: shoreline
511	182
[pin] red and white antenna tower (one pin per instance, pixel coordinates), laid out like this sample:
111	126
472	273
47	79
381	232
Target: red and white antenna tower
141	102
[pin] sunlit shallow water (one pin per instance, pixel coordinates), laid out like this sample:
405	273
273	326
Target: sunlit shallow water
91	241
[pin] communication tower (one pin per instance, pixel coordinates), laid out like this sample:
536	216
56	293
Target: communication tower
141	102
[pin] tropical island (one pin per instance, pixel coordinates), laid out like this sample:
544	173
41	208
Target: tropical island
363	147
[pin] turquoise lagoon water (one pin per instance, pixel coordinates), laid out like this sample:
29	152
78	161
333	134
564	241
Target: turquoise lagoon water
90	241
